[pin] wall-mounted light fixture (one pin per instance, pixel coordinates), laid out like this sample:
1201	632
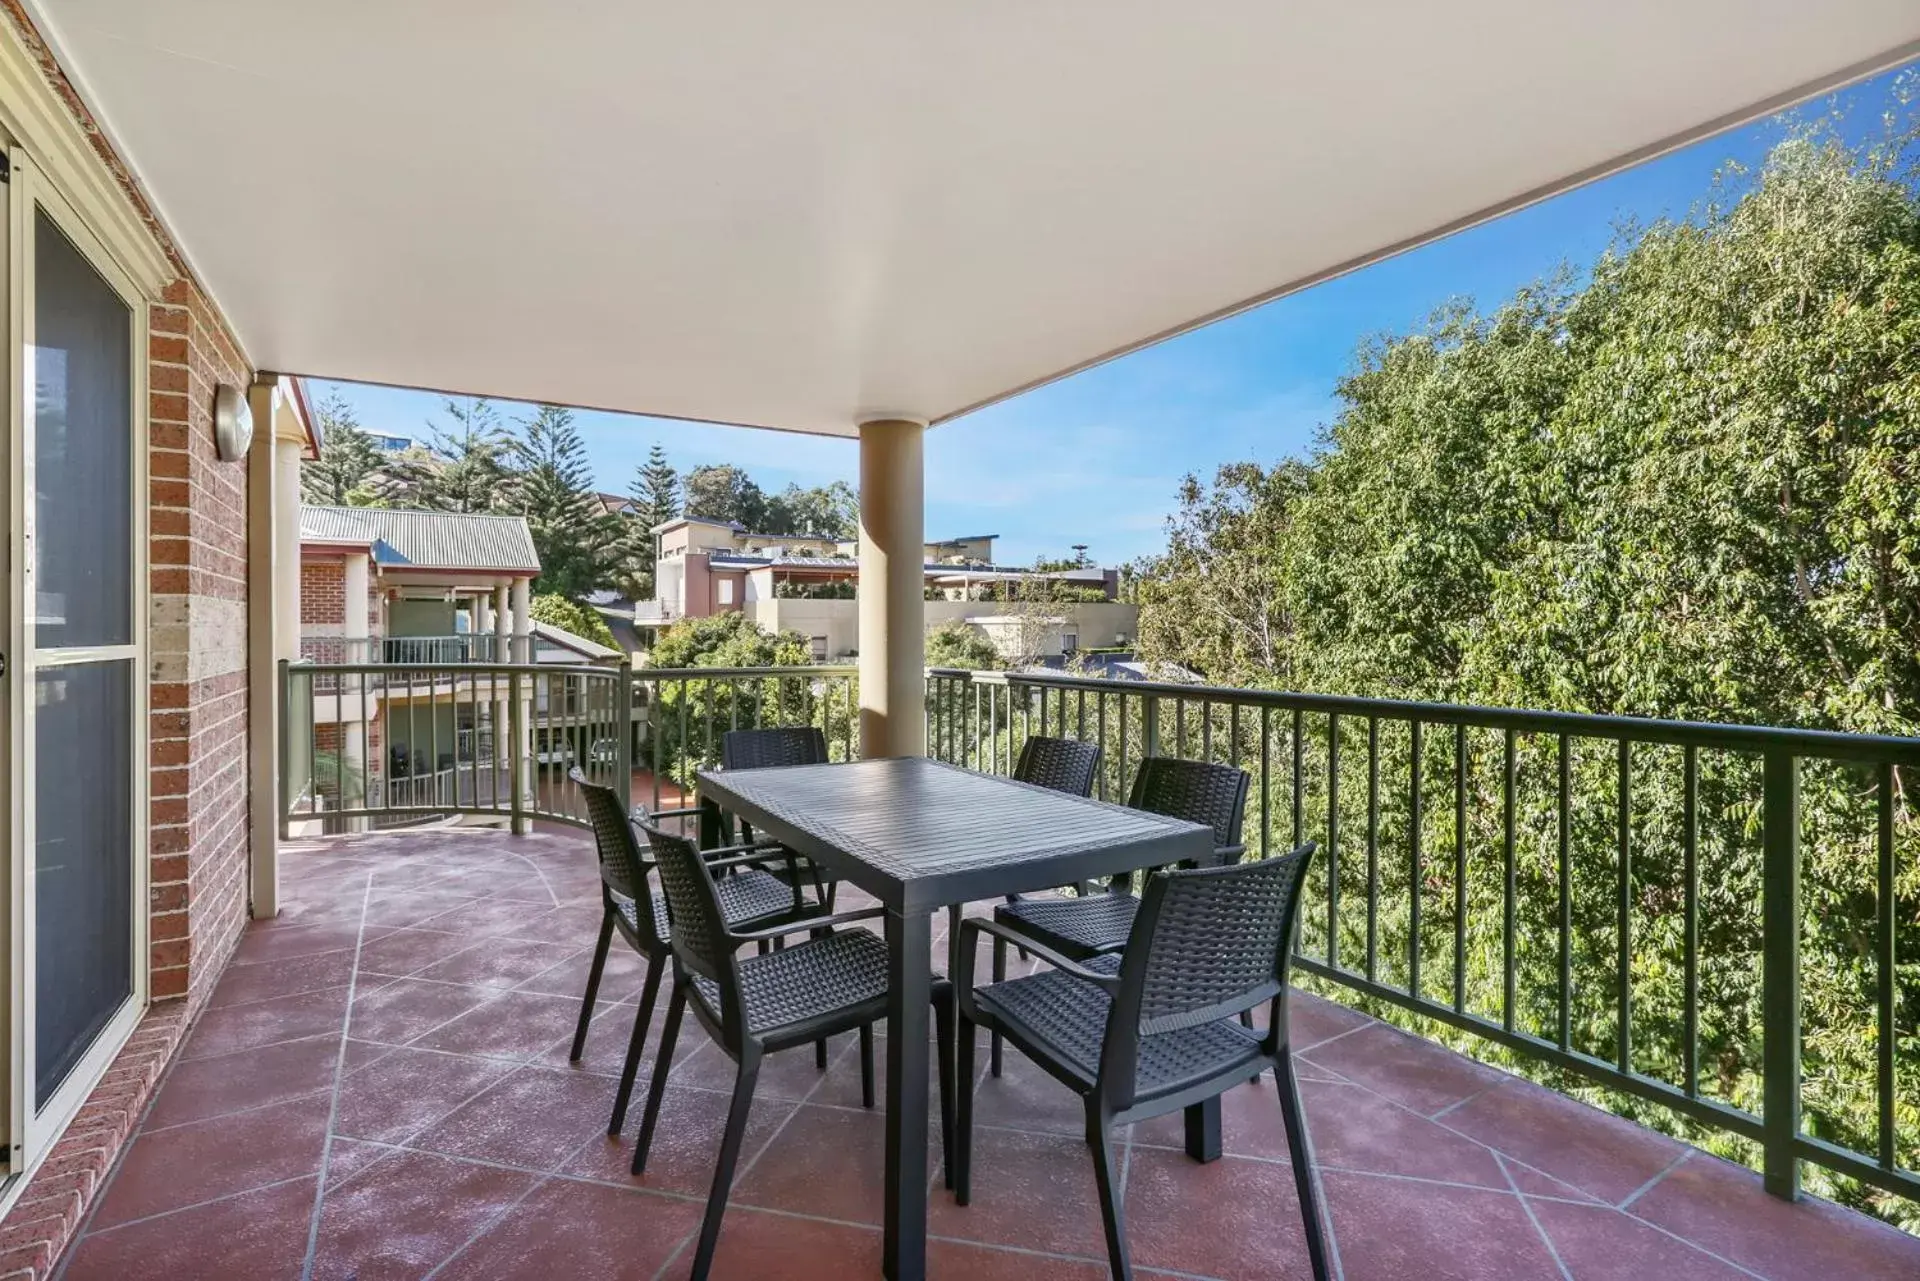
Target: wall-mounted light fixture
232	423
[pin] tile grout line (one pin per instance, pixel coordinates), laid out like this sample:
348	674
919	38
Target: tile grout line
1462	1102
1553	1251
1648	1186
339	1079
1716	1256
198	1205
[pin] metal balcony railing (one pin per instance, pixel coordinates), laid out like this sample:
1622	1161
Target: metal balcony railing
1559	884
1628	900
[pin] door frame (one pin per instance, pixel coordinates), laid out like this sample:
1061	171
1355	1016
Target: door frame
33	1131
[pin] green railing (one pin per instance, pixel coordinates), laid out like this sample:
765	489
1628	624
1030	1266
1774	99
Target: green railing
1625	899
380	744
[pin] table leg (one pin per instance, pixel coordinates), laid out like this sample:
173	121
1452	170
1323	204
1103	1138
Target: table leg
1203	1130
909	943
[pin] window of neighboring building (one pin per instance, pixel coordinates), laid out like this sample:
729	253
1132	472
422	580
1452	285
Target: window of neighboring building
819	649
726	591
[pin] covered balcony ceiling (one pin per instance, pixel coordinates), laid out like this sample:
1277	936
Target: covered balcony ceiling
803	215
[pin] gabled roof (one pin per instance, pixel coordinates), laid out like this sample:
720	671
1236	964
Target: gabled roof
427	540
573	642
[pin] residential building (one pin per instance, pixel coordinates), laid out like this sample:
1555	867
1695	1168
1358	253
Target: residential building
810	585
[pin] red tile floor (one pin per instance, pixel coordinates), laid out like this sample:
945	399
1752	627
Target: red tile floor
380	1090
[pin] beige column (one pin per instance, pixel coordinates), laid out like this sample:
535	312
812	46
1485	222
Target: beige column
502	625
273	621
893	638
522	620
354	624
502	639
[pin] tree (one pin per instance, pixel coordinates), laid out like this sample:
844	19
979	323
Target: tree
826	511
350	471
689	715
1681	487
554	490
961	645
571	616
471	471
655	490
725	493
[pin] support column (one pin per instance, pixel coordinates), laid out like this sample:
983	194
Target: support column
273	623
893	609
523	653
355	627
502	639
522	621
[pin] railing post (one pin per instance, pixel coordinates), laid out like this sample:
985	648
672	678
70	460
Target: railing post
623	720
284	784
1780	972
516	754
1149	727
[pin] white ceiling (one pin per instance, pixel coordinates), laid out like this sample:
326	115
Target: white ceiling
800	215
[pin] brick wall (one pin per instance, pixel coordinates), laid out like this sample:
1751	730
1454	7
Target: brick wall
323	592
198	653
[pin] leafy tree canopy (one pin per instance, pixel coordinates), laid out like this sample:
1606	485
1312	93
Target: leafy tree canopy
472	459
556	610
961	645
729	640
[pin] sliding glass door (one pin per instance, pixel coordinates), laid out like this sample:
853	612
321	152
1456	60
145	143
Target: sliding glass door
77	603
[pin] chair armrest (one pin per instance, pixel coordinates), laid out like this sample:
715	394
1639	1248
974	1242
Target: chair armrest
765	851
803	926
750	859
973	925
642	812
1225	854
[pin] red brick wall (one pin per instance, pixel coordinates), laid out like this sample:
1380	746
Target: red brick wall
198	643
323	592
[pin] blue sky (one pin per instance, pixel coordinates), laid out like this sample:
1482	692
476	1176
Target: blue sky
1097	458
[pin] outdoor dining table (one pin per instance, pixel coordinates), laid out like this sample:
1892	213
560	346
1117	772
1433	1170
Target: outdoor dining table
919	836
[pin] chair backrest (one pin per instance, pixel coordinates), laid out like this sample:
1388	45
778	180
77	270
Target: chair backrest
1208	943
700	941
623	864
1198	791
1062	764
760	748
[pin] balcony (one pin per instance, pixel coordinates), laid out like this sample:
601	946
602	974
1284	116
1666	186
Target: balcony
385	1065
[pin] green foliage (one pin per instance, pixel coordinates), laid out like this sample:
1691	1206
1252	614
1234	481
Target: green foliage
575	538
556	610
691	714
473	457
727	494
957	644
351	471
788	589
1683	488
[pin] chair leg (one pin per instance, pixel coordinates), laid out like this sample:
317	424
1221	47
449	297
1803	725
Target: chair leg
636	1043
943	1012
1111	1211
593	986
866	1065
962	1183
1302	1167
820	1054
657	1088
999	976
723	1168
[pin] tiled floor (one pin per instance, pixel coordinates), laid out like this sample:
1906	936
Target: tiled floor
380	1090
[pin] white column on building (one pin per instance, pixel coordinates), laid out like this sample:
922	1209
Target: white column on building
355	627
893	639
502	624
502	617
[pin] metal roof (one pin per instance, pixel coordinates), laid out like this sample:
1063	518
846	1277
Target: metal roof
427	540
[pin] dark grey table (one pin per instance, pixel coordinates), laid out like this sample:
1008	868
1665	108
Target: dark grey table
919	836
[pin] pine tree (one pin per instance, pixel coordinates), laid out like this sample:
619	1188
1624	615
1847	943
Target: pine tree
350	471
472	473
655	490
577	541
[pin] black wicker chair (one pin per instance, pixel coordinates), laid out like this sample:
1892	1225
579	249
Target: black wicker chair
1061	765
754	1006
749	897
768	748
1096	924
1152	1031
